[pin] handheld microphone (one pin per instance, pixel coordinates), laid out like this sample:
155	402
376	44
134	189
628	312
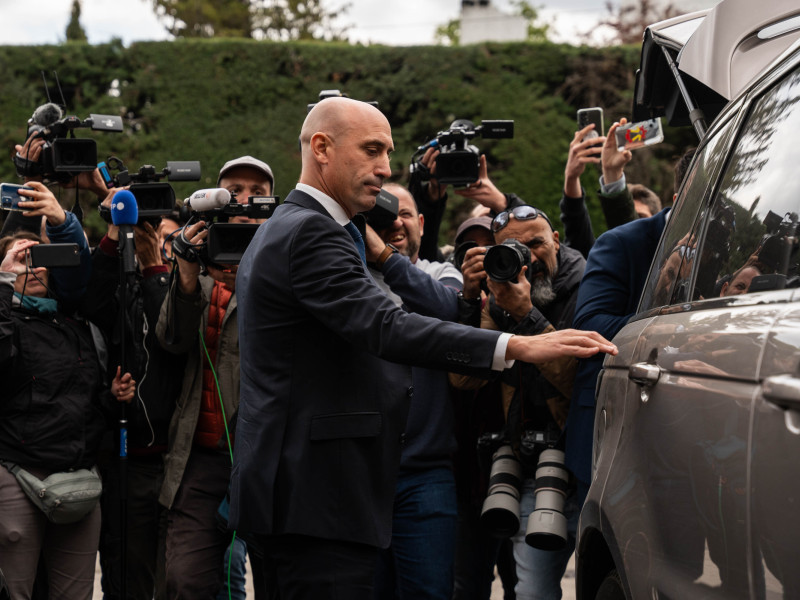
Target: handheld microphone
205	200
124	210
125	214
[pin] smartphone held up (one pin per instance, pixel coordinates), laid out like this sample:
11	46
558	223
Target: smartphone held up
587	116
638	135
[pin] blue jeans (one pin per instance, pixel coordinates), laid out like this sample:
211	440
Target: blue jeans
539	572
234	567
419	562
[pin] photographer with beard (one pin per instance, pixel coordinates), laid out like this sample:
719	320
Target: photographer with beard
541	300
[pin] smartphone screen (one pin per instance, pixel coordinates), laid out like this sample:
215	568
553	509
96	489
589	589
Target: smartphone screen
591	115
638	135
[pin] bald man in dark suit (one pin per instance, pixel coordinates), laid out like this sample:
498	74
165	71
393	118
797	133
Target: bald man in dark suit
323	393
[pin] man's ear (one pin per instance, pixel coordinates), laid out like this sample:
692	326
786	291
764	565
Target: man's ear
556	240
320	146
421	225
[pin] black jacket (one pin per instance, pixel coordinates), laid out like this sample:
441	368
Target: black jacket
158	373
50	400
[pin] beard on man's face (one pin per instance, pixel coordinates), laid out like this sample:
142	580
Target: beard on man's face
542	292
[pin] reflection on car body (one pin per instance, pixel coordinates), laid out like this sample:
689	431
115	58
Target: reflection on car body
695	490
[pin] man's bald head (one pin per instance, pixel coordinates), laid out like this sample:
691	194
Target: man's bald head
345	148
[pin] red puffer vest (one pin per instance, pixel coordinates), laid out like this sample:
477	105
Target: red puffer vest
210	429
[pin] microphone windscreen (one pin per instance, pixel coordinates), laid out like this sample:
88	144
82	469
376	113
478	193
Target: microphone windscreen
47	114
204	200
124	210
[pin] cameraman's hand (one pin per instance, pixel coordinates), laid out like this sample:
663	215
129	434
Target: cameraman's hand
147	244
188	272
89	180
123	386
612	160
374	244
31	150
473	273
435	191
113	230
514	298
484	191
581	152
42	202
14	261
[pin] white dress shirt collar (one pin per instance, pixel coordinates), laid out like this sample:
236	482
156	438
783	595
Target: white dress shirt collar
329	204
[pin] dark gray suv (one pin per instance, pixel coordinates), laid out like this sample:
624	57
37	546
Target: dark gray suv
695	487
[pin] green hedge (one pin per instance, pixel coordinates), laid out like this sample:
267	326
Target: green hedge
211	100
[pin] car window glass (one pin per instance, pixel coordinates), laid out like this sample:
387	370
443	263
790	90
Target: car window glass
672	266
750	243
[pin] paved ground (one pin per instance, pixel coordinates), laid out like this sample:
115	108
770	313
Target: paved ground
567	585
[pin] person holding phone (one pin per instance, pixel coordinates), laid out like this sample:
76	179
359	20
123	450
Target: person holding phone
51	420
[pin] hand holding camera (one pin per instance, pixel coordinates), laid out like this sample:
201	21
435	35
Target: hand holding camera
15	260
613	160
514	297
188	272
483	190
473	272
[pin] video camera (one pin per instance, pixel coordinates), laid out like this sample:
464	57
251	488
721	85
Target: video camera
226	242
154	198
63	155
458	163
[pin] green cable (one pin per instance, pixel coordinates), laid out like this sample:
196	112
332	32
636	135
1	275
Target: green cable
228	436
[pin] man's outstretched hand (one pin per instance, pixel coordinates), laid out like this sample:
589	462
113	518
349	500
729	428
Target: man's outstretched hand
557	344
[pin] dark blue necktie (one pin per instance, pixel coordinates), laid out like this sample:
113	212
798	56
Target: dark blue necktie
359	241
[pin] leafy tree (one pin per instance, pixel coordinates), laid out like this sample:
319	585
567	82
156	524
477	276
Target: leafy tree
448	34
282	20
628	23
204	18
75	32
285	20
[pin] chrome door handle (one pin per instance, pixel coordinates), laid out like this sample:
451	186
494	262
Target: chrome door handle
644	373
783	390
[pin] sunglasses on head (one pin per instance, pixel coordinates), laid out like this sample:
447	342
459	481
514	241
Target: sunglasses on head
521	213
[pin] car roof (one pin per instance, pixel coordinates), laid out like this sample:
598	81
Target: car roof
718	52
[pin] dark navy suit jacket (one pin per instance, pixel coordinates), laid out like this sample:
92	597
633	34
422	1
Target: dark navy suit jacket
321	408
612	283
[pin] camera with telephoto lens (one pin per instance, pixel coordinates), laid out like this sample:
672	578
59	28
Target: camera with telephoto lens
500	512
458	163
63	155
154	198
503	262
547	524
226	242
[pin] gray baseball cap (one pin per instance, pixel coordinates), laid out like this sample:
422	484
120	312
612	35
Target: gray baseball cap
479	222
247	161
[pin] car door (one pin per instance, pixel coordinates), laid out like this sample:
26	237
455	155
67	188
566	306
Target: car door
706	434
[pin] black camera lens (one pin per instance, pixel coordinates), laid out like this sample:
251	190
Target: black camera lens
503	262
460	252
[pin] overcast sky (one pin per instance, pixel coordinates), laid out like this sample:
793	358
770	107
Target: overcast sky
393	22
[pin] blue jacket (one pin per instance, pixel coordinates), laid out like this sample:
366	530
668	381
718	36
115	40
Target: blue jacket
612	283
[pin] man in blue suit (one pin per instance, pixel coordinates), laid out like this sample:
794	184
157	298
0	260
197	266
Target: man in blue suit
615	275
323	398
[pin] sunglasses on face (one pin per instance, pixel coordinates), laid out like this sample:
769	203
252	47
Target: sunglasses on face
521	213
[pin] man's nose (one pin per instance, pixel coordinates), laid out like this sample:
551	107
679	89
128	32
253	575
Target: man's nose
383	169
